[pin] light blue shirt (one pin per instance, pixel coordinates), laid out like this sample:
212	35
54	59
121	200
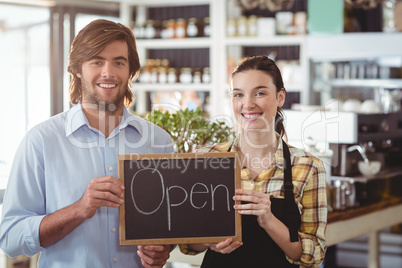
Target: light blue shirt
52	168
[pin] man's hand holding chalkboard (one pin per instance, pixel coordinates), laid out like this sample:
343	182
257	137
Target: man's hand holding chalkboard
104	191
154	256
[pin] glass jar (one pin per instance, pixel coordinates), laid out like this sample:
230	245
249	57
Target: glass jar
192	28
242	26
150	31
138	31
170	29
231	27
145	75
197	77
162	75
206	76
185	76
252	25
181	27
207	27
172	76
154	75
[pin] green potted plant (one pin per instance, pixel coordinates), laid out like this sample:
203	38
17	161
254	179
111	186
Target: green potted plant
190	129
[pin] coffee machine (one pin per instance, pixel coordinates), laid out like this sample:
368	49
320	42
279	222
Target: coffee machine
377	139
349	136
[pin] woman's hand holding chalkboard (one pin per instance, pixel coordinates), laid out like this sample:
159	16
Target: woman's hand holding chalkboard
103	191
154	256
256	203
226	246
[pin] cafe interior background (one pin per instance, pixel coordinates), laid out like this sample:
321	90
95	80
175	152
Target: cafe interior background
342	67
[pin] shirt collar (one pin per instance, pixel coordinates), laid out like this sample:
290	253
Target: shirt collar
76	119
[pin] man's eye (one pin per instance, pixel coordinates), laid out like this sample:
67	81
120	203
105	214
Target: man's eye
119	63
96	63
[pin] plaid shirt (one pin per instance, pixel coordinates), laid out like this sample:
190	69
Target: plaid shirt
308	176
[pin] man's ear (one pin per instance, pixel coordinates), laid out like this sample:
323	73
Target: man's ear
78	75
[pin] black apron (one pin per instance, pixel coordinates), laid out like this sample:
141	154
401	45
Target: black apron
258	249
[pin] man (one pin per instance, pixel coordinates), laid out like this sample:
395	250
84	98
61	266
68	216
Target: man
63	195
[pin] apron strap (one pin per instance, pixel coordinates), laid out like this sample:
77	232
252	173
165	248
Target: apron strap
289	196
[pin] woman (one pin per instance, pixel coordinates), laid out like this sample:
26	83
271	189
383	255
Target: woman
283	205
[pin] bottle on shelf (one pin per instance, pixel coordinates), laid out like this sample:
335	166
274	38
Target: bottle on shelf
162	75
197	76
207	28
242	26
138	30
185	76
150	31
231	27
252	25
154	75
192	28
170	29
181	26
172	76
206	75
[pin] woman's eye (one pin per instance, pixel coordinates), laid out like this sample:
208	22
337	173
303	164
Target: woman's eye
260	94
238	95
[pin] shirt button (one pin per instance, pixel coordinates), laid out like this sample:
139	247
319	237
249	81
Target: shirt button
107	141
115	259
113	229
110	168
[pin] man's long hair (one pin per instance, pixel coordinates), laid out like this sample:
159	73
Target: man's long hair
89	42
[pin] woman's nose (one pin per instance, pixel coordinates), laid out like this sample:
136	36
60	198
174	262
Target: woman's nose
248	102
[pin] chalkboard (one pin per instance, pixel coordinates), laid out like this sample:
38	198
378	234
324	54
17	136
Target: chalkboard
179	198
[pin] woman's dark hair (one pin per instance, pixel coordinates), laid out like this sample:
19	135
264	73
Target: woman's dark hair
268	66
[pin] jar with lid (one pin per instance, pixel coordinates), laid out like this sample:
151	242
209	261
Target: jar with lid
206	28
145	76
170	29
197	77
192	27
181	27
252	28
206	76
138	30
150	31
162	75
242	26
154	75
231	27
185	76
172	76
164	29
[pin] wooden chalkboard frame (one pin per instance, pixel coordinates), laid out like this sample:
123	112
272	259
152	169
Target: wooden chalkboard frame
181	240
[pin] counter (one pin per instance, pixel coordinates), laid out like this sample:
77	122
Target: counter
345	225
